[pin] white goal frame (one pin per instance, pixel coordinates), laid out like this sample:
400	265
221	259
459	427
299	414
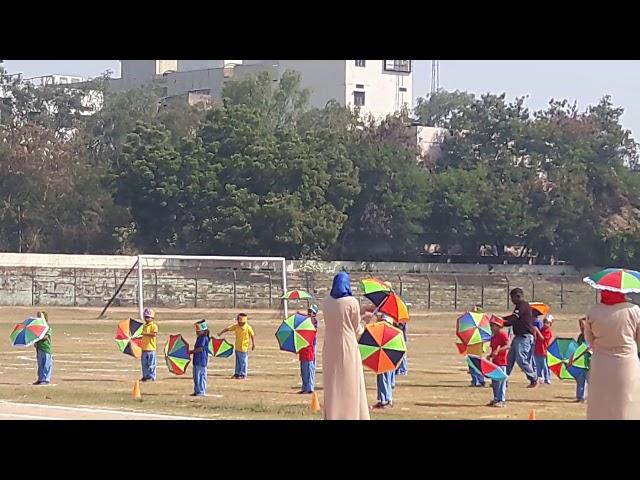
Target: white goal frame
141	258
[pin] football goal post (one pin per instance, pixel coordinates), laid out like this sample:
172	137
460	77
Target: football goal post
177	281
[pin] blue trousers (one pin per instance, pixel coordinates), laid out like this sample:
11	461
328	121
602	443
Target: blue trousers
581	386
403	367
385	389
542	368
308	374
499	390
199	380
242	363
148	365
476	378
45	362
521	352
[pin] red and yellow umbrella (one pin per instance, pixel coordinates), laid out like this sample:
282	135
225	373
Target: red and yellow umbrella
395	307
382	347
129	337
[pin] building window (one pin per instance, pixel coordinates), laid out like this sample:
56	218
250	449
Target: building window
358	99
63	80
361	63
403	66
360	86
403	89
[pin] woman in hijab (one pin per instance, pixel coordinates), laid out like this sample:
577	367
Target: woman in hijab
612	329
345	396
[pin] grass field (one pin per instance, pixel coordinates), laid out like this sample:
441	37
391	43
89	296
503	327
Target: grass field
90	373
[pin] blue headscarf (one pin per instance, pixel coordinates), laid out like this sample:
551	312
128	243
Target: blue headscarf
341	285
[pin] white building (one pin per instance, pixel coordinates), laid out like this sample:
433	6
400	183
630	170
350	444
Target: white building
377	87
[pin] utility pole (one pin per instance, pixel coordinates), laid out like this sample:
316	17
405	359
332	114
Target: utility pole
435	76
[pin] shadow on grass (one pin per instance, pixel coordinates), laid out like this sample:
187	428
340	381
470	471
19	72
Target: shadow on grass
90	380
448	405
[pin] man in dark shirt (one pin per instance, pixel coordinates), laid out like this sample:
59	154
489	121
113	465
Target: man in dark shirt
521	351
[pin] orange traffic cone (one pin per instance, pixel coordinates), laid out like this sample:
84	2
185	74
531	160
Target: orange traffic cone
136	391
315	404
532	414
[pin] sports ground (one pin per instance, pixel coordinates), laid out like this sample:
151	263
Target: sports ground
93	380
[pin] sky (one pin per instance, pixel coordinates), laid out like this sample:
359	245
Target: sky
584	81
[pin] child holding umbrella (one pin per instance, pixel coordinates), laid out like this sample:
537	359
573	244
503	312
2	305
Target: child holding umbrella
43	354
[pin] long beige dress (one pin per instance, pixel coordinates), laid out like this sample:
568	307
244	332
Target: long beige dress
345	396
614	376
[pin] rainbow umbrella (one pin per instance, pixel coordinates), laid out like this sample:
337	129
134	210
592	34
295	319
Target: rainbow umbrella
477	349
176	354
295	333
486	368
615	280
558	355
382	347
395	307
473	328
129	337
540	308
29	332
579	361
219	347
297	295
375	290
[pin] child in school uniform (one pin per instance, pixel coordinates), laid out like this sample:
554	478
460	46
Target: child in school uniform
385	381
149	336
500	343
44	355
478	349
200	354
582	380
244	336
308	355
542	342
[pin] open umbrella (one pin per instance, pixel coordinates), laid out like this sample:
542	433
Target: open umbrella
615	280
395	307
477	349
29	332
540	308
486	368
295	333
382	347
473	328
375	290
579	361
297	295
176	354
219	347
558	355
129	337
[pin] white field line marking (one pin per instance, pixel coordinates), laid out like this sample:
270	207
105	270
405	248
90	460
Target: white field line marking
98	410
29	417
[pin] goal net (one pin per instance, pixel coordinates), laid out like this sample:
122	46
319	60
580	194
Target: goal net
203	282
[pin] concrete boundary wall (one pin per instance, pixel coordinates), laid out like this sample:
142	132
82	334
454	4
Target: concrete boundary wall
90	280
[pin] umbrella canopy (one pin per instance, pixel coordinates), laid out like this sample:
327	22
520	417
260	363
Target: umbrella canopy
474	349
375	290
129	337
473	328
176	354
295	333
219	347
558	355
578	364
382	347
395	307
540	308
615	280
29	332
486	368
297	295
